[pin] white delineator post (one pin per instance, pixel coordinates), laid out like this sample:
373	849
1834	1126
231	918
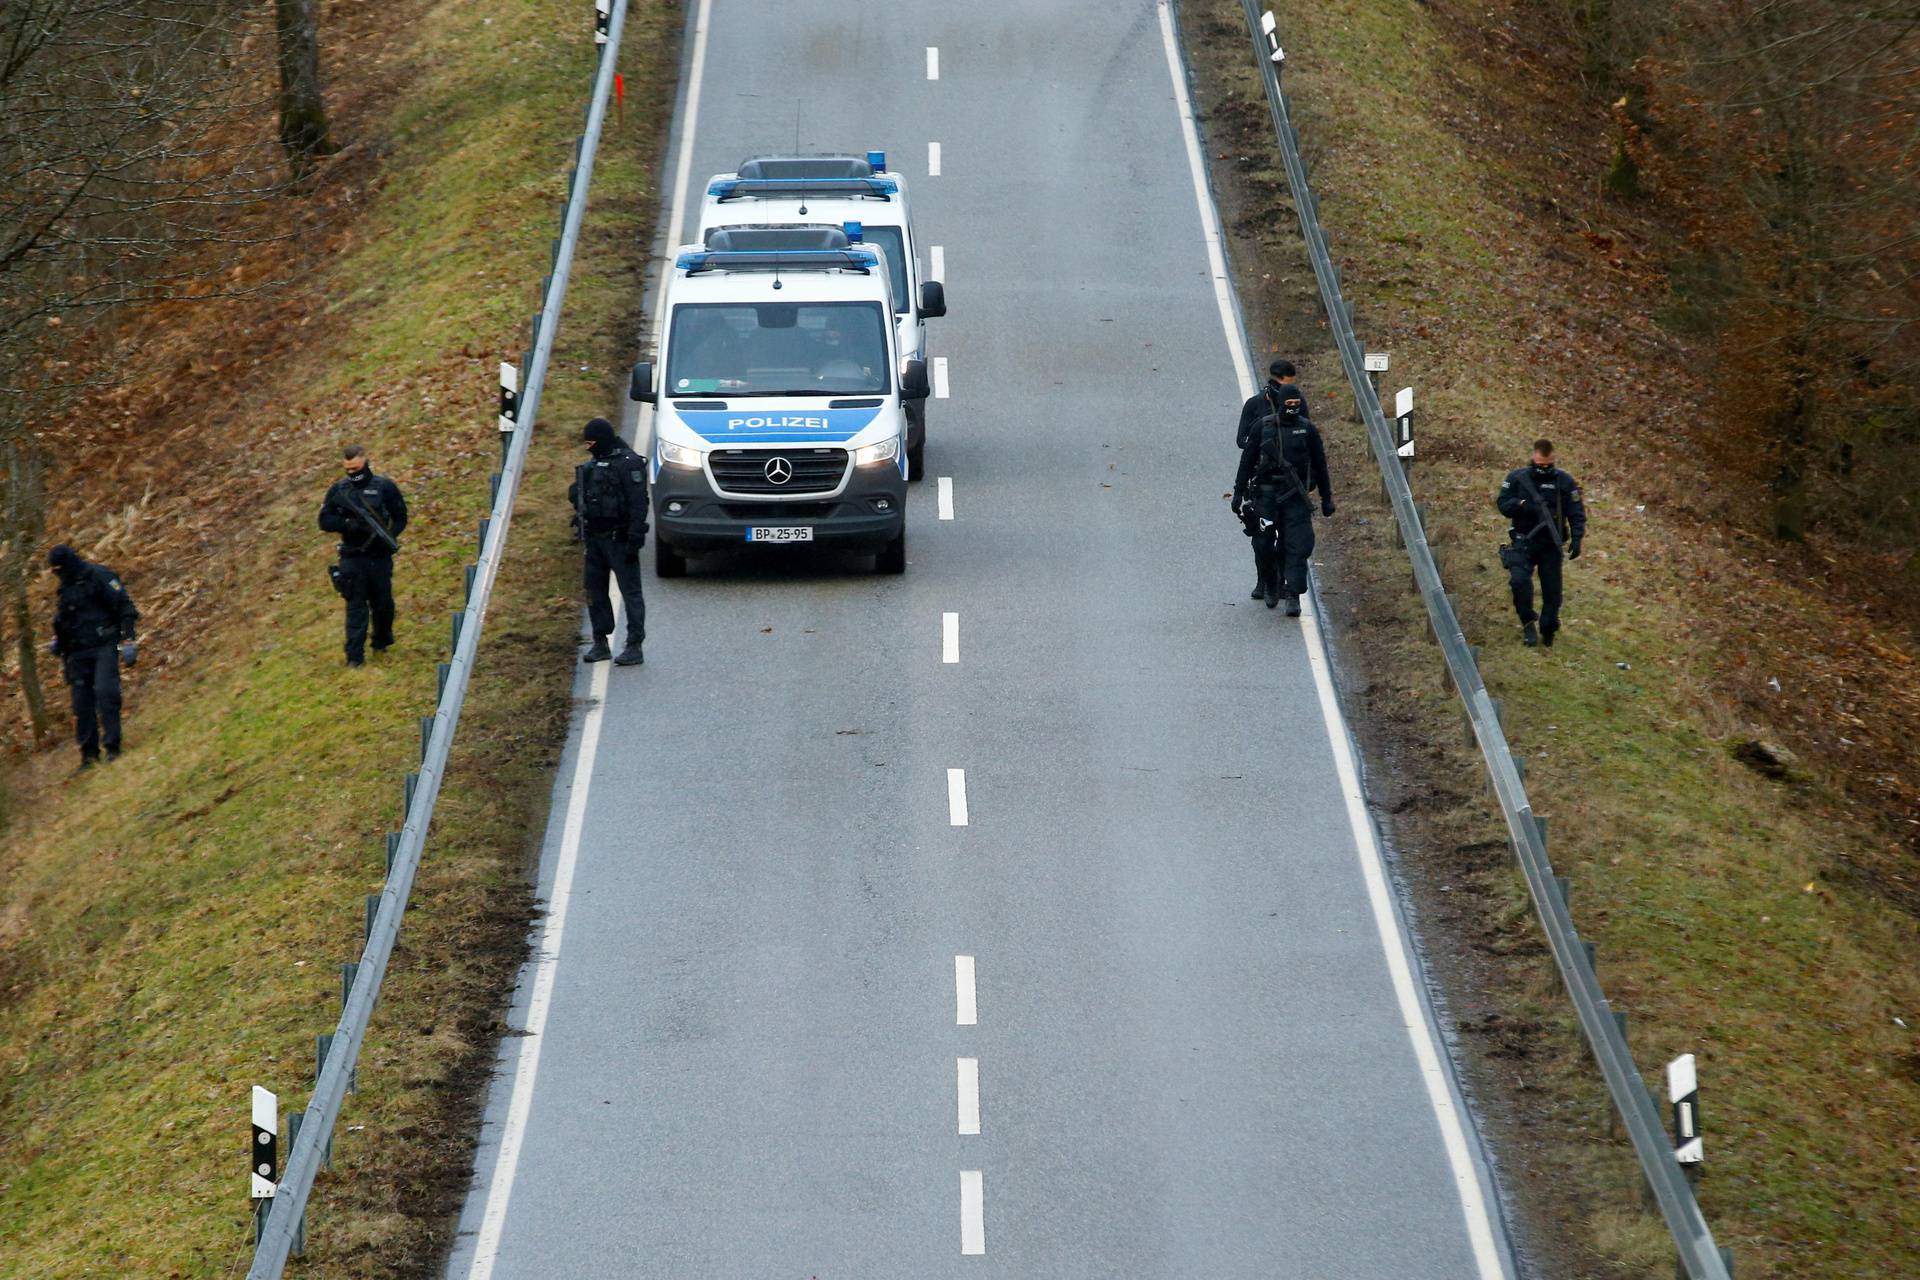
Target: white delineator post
1274	53
602	15
1403	422
1683	1091
264	1151
509	396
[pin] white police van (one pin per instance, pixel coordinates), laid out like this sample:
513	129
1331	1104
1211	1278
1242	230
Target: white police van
779	398
841	191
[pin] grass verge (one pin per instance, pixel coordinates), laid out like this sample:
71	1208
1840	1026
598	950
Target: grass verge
1729	917
171	927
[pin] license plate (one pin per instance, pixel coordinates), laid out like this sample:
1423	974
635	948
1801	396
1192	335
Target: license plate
780	533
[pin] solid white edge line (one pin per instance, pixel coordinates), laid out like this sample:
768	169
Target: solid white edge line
545	954
1422	1035
933	159
938	262
967	1083
946	497
949	637
973	1213
940	378
966	1005
933	62
957	792
545	962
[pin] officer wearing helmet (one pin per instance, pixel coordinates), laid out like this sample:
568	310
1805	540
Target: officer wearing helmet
1282	460
609	496
1262	404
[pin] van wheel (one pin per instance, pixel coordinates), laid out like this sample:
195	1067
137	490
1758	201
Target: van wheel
668	563
916	461
893	556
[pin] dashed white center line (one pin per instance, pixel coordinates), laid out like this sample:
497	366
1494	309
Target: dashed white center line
949	637
933	159
933	62
966	1010
946	497
939	377
957	797
938	256
973	1213
968	1077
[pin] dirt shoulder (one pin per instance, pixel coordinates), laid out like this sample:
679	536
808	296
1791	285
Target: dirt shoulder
1753	916
171	926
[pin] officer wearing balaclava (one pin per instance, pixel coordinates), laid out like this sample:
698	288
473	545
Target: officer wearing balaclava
93	633
609	496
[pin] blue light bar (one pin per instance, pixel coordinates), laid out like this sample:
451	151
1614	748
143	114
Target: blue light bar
864	260
877	161
734	188
853	232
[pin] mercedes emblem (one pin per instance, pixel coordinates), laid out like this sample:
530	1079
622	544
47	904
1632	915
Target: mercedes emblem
779	471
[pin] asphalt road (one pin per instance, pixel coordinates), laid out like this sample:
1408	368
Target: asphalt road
1127	994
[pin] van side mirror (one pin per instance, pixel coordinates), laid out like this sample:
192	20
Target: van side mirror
933	299
913	381
640	387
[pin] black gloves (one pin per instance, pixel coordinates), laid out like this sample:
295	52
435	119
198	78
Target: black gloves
1237	500
1326	506
1573	551
129	653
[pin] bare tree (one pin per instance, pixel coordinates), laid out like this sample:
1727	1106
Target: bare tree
303	110
128	148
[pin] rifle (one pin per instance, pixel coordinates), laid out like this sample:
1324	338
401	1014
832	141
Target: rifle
351	500
1549	519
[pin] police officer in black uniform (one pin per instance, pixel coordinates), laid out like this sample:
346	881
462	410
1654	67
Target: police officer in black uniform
369	514
1266	403
1547	514
609	496
1282	460
93	633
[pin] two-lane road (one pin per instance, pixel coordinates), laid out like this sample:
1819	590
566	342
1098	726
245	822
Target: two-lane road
1019	916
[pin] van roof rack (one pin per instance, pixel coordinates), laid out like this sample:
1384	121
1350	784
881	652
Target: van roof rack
850	259
738	188
806	167
788	238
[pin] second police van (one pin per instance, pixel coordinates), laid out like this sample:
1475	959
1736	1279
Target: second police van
837	191
780	393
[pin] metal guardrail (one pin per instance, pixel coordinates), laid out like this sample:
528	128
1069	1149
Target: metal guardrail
312	1140
1700	1258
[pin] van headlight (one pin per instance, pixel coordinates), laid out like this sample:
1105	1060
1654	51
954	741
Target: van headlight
679	455
873	454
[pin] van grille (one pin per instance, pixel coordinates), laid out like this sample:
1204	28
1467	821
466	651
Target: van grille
746	470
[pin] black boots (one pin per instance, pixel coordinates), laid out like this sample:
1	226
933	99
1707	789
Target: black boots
599	653
1259	590
1546	639
629	656
1529	635
1293	605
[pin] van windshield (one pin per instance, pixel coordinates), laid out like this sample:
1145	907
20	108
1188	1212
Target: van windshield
892	242
777	349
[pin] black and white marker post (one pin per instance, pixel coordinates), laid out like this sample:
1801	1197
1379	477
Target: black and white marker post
263	1154
1403	425
1275	54
602	15
1683	1091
